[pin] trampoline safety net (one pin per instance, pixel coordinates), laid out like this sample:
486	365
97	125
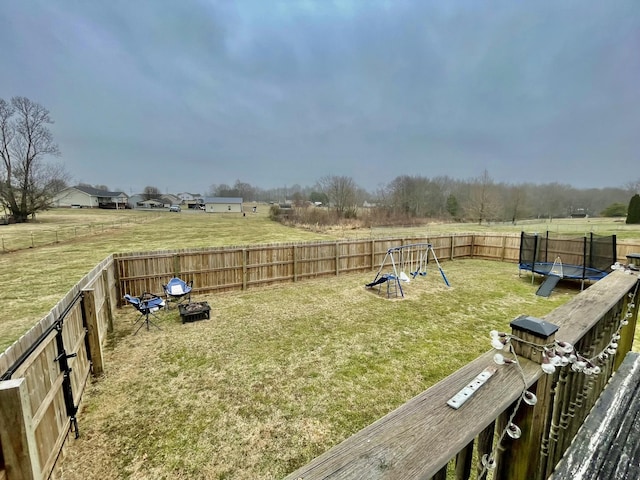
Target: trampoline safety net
597	252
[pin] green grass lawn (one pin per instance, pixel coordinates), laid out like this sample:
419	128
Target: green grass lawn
278	375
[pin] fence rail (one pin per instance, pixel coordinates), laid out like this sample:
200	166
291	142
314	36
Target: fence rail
40	396
10	242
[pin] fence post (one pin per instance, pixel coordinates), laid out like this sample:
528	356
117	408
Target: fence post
244	268
93	330
295	263
19	446
107	297
373	254
176	265
521	458
337	258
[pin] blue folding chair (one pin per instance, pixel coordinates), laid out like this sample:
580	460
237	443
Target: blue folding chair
178	291
147	304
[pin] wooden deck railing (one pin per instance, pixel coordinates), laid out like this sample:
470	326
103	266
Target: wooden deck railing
427	439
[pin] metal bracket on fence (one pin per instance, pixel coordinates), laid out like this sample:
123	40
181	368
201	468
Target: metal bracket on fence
67	389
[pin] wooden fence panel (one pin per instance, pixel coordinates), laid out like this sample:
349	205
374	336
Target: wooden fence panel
570	250
35	360
145	274
463	246
511	248
626	247
488	247
442	246
231	268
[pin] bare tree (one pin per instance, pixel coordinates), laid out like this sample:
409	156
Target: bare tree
150	192
27	183
633	187
342	193
245	191
514	199
483	203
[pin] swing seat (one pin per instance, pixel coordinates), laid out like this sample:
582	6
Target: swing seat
403	277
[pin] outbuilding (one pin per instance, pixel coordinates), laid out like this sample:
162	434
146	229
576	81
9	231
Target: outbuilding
223	204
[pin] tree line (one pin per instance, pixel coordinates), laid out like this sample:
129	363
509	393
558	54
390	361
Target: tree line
29	180
478	199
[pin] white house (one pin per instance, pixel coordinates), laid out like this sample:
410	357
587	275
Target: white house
186	196
223	204
81	196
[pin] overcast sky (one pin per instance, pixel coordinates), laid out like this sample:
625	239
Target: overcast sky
184	94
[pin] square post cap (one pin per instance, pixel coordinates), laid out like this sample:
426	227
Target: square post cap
534	326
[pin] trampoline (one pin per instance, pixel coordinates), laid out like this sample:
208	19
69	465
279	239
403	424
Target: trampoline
582	258
573	272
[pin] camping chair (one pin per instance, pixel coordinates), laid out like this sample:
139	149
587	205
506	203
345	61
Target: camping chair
146	304
177	290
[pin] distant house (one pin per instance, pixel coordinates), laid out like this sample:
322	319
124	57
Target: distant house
136	200
186	196
223	204
81	196
170	199
152	203
192	200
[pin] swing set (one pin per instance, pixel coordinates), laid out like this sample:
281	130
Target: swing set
407	258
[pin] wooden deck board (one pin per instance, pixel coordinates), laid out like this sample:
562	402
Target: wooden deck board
607	446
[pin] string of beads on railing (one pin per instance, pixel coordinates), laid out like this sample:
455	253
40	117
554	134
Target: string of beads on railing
554	355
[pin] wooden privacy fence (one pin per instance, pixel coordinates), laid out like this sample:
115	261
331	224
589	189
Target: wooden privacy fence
426	438
43	374
234	268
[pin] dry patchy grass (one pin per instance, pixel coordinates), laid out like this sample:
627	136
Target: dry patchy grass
280	374
33	280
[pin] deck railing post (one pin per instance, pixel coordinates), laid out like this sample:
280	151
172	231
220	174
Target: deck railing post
522	458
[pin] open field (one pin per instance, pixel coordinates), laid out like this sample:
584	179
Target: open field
280	374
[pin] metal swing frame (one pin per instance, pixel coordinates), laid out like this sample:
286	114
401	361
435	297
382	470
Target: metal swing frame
397	257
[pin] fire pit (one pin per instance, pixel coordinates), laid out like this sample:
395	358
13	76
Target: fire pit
190	312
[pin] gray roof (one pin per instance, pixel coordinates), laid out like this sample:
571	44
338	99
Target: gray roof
94	192
223	200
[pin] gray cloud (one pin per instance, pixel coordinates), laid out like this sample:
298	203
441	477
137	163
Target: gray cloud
182	95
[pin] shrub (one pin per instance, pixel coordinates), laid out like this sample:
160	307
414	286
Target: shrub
633	212
614	210
274	212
